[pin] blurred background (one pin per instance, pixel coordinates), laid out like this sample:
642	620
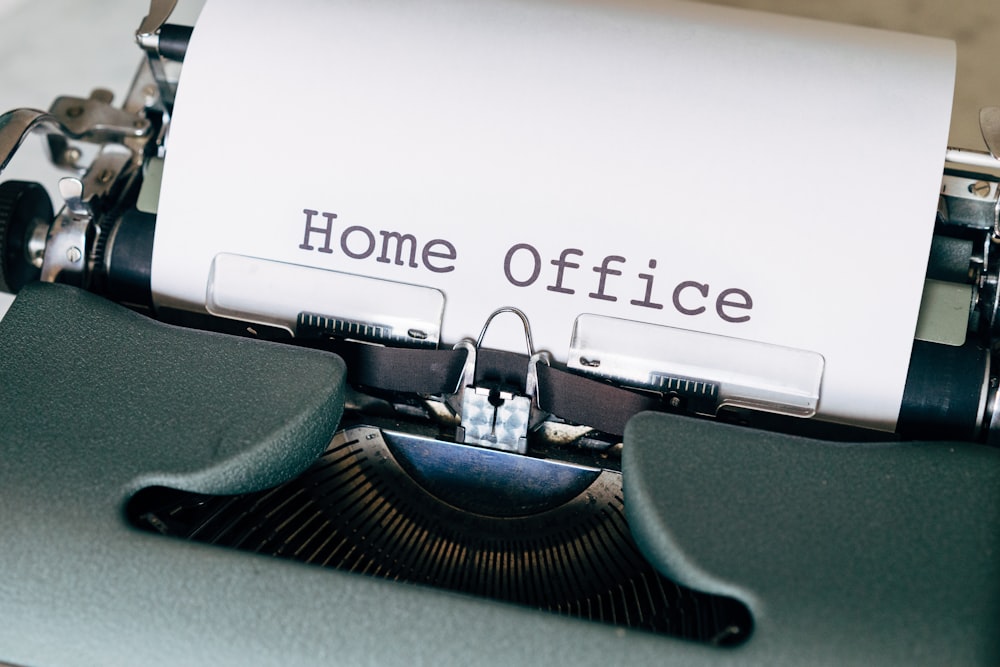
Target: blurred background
973	24
69	46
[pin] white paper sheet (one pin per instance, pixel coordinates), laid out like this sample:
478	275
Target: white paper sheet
716	158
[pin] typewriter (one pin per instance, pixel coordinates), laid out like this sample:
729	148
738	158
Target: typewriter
307	466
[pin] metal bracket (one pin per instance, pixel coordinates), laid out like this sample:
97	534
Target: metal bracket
70	238
497	417
148	38
94	120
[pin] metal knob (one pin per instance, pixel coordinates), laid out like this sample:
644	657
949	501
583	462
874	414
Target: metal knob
25	216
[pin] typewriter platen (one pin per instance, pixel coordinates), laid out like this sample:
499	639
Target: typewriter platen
496	475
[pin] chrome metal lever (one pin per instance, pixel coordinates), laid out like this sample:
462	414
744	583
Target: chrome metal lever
16	125
148	37
159	12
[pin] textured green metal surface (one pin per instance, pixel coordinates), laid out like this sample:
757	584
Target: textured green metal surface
96	402
845	554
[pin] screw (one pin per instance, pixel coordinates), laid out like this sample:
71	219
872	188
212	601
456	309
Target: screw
71	155
104	176
74	112
980	189
74	255
675	402
102	95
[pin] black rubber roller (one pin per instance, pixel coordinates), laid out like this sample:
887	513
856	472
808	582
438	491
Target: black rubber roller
174	41
22	203
945	392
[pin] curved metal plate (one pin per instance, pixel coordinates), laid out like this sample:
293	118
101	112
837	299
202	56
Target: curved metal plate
845	554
